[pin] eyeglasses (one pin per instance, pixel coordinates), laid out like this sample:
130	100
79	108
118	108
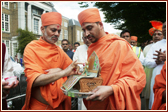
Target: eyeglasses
125	36
64	44
159	34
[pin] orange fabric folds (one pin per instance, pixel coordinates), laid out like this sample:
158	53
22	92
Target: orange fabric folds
121	69
158	88
90	15
134	38
51	18
38	57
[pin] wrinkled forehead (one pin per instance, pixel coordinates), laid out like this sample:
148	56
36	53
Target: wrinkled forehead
56	26
158	31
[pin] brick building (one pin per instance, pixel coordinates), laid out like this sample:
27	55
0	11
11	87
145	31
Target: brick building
28	15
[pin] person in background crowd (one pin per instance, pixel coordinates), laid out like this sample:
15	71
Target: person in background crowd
7	71
134	40
16	59
122	72
159	90
65	46
21	61
70	47
81	56
126	34
47	67
76	44
156	56
155	38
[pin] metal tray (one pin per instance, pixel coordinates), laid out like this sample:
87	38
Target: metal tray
75	93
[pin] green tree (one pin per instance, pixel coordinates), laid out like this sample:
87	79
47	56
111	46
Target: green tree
134	16
24	38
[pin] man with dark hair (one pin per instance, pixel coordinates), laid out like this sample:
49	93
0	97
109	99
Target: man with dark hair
76	44
65	47
126	34
122	73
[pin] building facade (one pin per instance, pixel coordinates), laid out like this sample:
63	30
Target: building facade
28	15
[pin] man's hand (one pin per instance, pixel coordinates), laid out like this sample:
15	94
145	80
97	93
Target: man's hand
100	93
6	88
161	56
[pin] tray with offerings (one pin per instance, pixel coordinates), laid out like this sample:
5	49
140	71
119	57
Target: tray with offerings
80	85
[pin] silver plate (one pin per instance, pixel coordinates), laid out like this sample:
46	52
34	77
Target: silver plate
76	94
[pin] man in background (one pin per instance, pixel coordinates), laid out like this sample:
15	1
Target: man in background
65	47
7	71
76	44
126	34
157	35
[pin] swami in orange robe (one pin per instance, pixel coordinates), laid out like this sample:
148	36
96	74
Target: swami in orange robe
158	88
39	56
120	68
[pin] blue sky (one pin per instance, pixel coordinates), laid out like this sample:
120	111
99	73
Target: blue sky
72	9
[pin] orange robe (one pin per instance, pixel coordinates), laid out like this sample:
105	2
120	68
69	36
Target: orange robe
121	69
38	57
158	88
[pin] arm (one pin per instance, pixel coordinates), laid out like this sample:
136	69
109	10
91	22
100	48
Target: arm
55	74
149	61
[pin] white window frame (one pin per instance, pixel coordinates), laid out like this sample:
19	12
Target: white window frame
37	26
78	35
65	24
14	48
3	5
8	47
81	35
60	37
66	34
4	21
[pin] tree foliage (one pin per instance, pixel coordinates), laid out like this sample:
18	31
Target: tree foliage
24	38
134	16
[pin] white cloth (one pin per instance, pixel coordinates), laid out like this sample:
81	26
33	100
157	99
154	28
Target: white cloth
146	49
81	56
150	63
8	66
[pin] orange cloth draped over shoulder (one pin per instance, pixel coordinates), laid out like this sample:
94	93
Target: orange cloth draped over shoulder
158	88
121	69
38	57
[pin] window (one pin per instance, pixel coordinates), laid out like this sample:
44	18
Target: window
65	24
7	43
36	26
5	4
81	35
78	35
15	46
60	37
65	34
5	22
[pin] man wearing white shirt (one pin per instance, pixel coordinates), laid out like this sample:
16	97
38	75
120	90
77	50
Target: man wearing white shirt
7	71
154	61
156	33
81	56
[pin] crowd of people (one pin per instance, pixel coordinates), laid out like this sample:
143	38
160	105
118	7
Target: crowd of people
128	71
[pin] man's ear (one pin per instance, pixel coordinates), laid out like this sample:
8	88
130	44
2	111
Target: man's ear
101	25
42	29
